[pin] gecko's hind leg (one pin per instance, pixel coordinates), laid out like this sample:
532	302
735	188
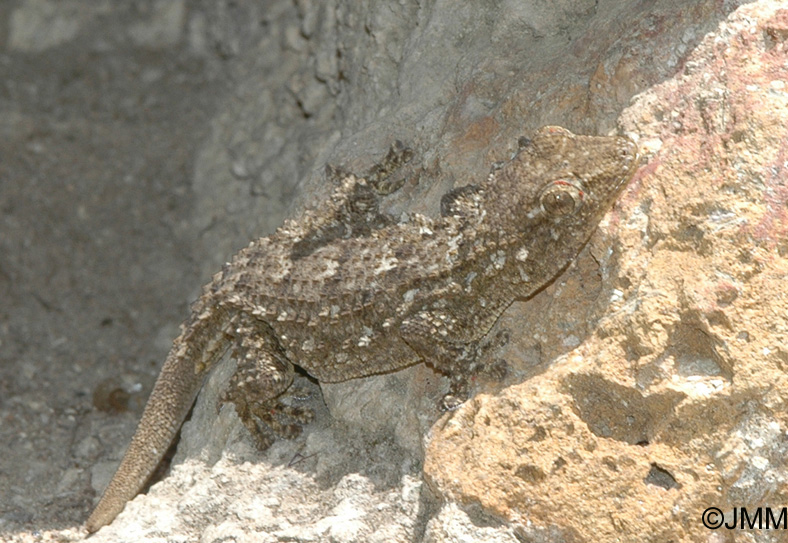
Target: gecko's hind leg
256	388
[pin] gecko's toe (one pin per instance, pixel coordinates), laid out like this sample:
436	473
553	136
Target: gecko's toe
268	420
450	402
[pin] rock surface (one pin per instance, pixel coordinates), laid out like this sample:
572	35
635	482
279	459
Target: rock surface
677	401
142	143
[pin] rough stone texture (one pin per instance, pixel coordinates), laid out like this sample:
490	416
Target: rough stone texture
677	401
142	143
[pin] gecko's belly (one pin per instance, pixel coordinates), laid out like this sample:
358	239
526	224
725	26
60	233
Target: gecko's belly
346	349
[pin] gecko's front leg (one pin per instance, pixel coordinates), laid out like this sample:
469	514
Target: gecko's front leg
436	336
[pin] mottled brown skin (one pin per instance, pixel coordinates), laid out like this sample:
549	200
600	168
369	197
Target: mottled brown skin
347	292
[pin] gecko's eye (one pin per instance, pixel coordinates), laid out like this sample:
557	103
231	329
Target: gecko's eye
561	198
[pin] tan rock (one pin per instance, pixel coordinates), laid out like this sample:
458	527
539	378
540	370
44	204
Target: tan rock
676	401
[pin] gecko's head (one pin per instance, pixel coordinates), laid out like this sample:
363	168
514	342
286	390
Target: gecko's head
567	182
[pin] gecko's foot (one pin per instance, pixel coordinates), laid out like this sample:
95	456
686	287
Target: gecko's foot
381	175
271	419
496	370
335	174
457	395
267	422
459	390
451	402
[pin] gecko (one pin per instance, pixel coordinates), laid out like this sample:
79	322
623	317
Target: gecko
348	291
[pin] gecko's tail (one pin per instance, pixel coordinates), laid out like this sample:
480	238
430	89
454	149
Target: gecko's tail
173	395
